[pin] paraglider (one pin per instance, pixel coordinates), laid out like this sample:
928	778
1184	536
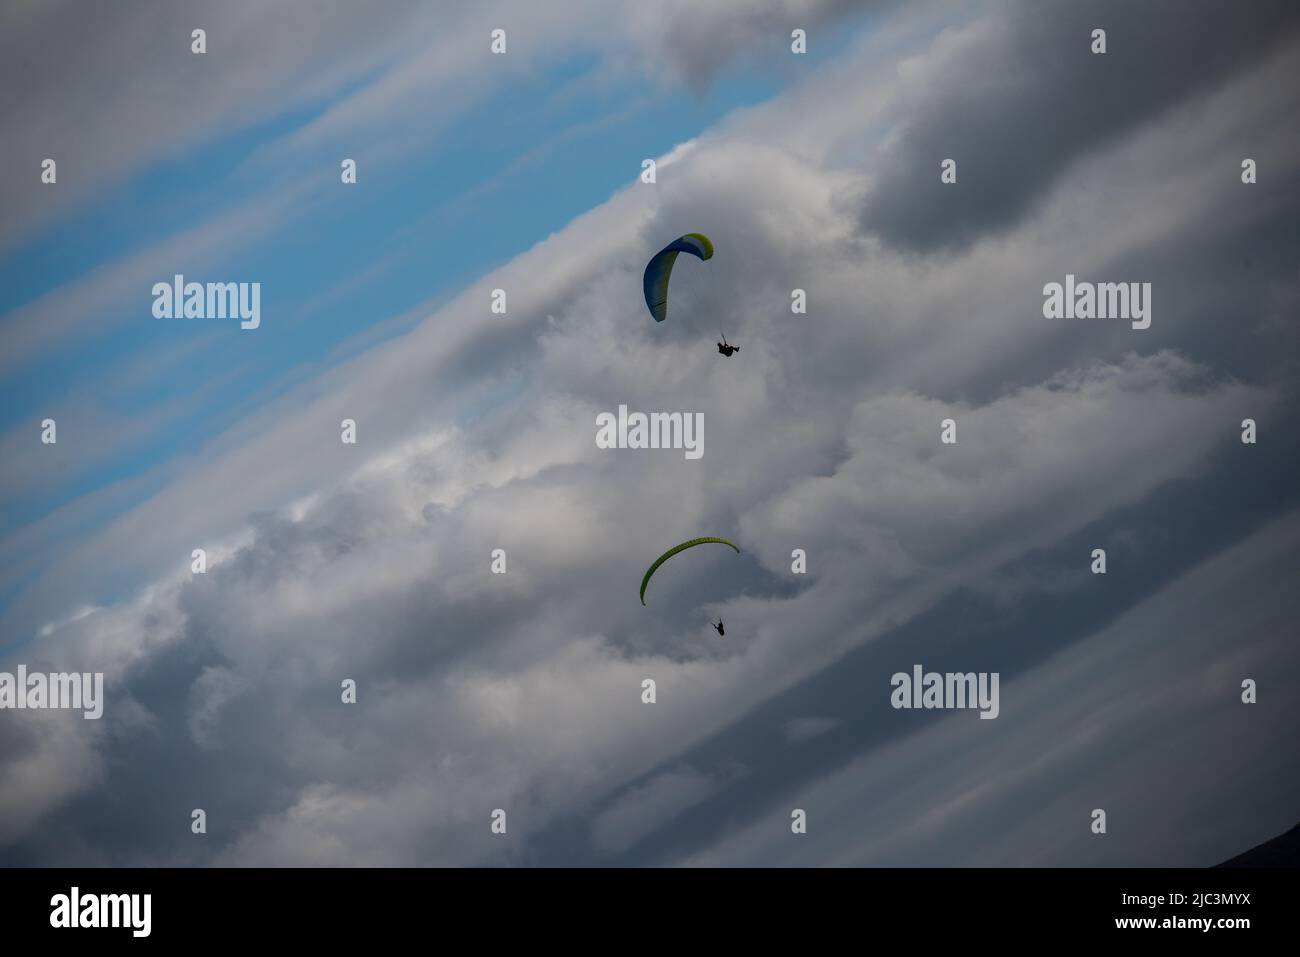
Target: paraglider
727	348
660	268
721	630
673	551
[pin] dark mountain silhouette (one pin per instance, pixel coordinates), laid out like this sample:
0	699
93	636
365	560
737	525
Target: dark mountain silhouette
1282	851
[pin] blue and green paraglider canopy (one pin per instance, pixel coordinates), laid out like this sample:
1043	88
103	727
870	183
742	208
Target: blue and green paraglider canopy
660	268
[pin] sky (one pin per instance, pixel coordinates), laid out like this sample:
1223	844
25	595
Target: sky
523	691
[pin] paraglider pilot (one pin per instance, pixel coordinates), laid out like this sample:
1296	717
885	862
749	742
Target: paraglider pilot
719	627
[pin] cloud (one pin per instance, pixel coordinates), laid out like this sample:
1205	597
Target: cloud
698	41
1018	99
1144	720
522	691
641	809
139	96
805	729
119	292
46	760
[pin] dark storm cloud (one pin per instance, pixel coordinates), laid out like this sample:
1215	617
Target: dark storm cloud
1020	99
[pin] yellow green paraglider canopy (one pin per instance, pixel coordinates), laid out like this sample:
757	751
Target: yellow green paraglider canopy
673	551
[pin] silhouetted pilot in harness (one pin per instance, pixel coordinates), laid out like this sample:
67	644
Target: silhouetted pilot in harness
719	627
726	348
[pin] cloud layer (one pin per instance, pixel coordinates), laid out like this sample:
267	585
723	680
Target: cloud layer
523	691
